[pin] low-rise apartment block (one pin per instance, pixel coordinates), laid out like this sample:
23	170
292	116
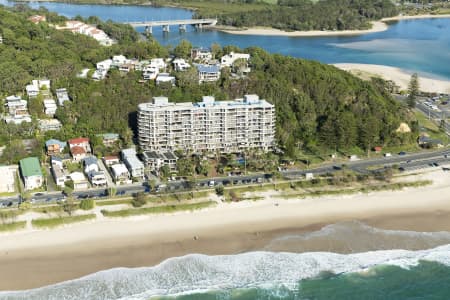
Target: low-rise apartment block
156	160
225	126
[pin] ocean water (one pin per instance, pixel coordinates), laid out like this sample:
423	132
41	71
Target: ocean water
378	274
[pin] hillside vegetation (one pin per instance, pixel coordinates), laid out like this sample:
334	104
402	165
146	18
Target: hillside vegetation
318	106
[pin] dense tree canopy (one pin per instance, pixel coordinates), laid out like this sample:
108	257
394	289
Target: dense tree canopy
310	15
317	106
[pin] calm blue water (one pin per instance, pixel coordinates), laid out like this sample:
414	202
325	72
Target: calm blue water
419	45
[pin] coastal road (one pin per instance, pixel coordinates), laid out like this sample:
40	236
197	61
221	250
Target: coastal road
436	158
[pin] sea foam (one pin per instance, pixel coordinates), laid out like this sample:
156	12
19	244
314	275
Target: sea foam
197	272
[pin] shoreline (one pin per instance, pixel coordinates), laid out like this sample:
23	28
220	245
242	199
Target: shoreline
377	26
400	76
81	249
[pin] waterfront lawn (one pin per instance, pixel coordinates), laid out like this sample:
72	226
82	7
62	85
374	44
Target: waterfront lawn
12	226
55	222
157	209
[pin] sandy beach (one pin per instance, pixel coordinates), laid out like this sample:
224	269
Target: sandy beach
377	26
36	258
397	75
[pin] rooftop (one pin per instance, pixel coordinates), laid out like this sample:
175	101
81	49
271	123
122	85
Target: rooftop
163	103
30	167
78	141
76	150
208	68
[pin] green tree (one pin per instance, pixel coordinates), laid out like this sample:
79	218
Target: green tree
138	200
183	49
219	190
413	90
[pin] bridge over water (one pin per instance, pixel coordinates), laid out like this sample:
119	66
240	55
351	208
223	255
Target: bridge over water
198	23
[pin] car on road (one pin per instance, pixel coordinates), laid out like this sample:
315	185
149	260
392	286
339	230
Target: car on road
387	155
337	168
402	153
408	161
39	194
444	103
211	183
435	164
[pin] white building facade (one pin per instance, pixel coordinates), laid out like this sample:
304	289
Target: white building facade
225	126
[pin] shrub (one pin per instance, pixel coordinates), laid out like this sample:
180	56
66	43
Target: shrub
139	200
87	204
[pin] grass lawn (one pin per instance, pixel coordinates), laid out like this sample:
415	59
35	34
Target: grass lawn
157	209
430	127
55	222
12	226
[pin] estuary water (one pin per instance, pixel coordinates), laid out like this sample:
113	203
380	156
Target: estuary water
421	45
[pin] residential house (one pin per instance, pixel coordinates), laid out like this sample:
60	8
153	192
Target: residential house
36	19
79	181
58	171
97	178
37	86
165	78
80	142
78	153
49	124
17	108
57	161
90	164
99	74
111	160
180	65
150	72
155	160
201	54
134	165
32	90
208	73
62	95
49	107
229	59
104	65
120	173
31	173
54	147
118	60
127	67
158	63
109	139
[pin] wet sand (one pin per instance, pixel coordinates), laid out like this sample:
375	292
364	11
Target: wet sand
36	258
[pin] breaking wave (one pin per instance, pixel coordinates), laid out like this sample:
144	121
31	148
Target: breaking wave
194	273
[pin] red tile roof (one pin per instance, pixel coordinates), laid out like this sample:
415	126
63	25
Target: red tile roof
111	157
77	150
78	141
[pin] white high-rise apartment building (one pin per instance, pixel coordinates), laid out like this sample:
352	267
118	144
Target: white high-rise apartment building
225	126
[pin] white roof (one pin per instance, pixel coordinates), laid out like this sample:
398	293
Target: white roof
77	177
119	169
